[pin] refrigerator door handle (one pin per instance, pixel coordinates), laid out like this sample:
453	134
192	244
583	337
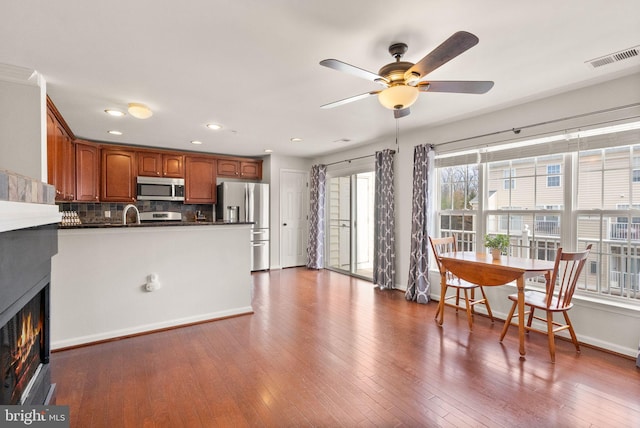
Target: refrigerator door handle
250	203
246	203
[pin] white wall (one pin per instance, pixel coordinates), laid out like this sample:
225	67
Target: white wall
601	325
98	279
23	139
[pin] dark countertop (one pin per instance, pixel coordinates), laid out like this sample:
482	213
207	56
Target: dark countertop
150	224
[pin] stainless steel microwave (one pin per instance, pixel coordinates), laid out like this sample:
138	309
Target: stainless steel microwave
160	189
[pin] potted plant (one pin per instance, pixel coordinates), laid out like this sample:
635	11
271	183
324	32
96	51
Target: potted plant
497	244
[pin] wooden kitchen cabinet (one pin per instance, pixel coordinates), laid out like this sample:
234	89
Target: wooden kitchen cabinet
200	180
118	175
60	155
87	172
155	164
251	169
228	168
173	165
248	169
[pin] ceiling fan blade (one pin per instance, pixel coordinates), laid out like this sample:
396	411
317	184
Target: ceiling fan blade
456	86
352	69
398	113
449	49
350	99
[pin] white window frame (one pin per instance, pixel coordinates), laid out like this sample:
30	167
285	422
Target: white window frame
568	212
554	174
509	179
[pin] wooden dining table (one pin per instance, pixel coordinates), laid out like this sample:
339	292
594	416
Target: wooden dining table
482	269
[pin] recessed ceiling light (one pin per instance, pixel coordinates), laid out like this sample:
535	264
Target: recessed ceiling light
295	140
214	126
268	151
114	132
113	112
196	142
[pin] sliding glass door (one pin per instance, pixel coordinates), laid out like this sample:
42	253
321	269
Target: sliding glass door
350	220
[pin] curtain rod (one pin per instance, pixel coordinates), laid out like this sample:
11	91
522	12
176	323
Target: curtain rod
352	159
518	129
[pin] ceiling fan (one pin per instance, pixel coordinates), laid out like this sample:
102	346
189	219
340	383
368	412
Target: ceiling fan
403	81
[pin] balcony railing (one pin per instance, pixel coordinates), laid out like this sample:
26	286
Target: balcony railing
543	227
624	231
625	281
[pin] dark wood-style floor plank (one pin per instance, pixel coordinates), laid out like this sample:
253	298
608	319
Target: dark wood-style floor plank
325	350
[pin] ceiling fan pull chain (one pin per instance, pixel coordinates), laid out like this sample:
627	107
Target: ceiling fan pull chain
397	135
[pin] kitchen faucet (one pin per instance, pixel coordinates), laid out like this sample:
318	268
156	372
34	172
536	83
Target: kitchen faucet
124	213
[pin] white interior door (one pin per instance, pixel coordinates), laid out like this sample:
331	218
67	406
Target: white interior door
294	224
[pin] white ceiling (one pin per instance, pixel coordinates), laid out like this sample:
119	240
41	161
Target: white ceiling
252	65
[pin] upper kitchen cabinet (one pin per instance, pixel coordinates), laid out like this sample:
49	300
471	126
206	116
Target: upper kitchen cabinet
87	171
251	169
155	164
248	169
118	168
200	180
60	155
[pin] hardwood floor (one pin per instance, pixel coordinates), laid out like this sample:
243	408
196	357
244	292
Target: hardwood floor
323	349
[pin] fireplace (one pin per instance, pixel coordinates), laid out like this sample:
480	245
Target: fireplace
25	275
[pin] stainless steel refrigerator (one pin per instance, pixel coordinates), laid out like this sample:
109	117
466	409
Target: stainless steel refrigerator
248	202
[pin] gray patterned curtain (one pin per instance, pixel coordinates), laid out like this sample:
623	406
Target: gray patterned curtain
315	249
384	250
418	288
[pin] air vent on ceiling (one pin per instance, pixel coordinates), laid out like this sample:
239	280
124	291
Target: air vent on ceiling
633	52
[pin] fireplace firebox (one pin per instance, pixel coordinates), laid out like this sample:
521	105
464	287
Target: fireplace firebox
25	275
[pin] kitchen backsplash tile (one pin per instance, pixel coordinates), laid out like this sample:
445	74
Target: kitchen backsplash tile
95	212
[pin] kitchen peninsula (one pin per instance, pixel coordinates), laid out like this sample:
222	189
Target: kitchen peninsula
102	275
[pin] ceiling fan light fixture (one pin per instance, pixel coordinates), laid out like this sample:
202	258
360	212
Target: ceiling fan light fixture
139	111
398	97
412	79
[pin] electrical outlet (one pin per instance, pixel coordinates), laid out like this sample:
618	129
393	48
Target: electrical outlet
107	214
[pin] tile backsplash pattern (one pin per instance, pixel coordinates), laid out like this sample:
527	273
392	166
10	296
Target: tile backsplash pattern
95	212
18	188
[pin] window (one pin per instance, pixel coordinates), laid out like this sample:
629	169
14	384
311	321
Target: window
582	188
509	180
510	222
553	175
458	203
636	169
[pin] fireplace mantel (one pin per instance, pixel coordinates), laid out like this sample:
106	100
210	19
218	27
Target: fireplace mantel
21	215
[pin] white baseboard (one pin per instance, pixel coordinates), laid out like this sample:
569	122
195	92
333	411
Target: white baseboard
147	328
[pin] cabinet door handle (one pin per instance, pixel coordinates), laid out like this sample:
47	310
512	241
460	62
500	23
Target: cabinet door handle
284	224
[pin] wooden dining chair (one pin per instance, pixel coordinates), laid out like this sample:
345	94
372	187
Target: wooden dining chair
556	298
448	245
